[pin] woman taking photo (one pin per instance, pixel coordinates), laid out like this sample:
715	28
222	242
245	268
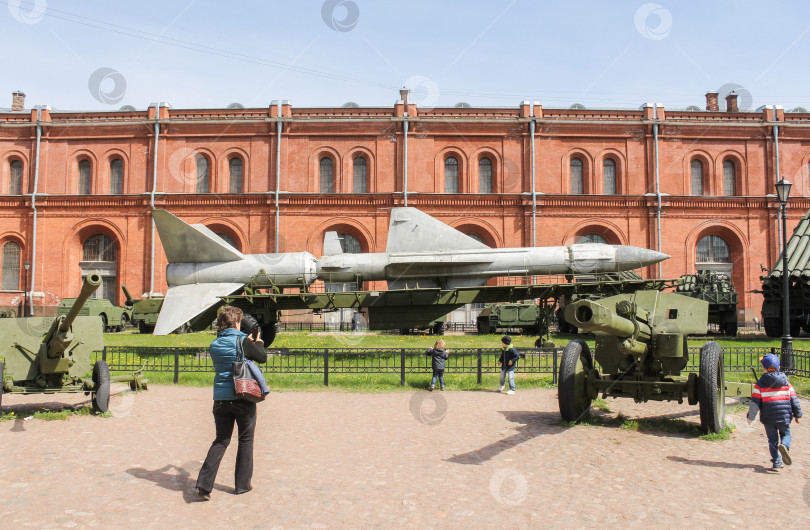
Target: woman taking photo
227	408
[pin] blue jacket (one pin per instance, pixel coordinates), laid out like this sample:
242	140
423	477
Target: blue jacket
775	400
223	355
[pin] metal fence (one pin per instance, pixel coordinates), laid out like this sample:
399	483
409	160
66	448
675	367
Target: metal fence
402	361
330	361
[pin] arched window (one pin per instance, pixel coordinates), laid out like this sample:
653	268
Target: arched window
609	176
11	266
84	177
327	175
450	175
485	175
476	237
227	238
235	171
116	176
360	175
729	178
349	244
100	254
697	177
15	177
203	177
576	176
592	238
712	249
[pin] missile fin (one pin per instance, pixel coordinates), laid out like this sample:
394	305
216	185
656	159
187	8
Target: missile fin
184	302
411	230
331	244
184	243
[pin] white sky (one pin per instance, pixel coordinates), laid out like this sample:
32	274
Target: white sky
203	53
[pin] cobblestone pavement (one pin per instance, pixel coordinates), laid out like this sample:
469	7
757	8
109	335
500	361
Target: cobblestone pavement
401	459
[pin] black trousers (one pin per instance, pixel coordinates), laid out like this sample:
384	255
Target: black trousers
226	413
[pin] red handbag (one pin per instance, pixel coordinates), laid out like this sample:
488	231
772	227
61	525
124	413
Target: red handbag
245	386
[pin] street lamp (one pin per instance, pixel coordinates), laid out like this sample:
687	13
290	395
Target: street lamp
783	192
26	266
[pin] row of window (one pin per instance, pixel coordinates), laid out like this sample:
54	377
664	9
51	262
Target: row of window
360	176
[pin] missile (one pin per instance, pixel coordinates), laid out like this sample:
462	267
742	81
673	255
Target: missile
421	252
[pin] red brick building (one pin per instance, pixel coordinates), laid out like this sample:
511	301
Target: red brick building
510	176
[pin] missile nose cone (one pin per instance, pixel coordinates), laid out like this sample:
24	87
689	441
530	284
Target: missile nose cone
634	257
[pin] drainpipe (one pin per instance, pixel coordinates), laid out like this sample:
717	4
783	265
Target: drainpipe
279	127
405	165
34	212
532	127
152	199
657	184
776	150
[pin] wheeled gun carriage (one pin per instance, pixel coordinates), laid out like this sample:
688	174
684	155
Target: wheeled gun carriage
46	355
641	348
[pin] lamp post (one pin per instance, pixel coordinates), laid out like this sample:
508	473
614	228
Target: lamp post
783	192
26	266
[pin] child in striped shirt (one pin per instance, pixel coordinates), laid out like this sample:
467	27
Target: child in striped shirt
776	401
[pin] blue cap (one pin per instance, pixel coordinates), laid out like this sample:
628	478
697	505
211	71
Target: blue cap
770	362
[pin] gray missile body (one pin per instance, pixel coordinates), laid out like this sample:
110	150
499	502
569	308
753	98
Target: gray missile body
420	252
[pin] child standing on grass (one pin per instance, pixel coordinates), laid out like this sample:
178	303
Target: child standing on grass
776	401
508	361
440	355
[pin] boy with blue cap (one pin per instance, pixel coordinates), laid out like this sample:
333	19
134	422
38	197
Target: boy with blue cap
776	401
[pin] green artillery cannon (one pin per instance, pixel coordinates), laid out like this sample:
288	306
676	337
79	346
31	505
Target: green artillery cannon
642	349
46	355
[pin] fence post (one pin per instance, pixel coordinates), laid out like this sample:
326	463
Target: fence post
554	366
326	367
176	366
402	367
480	364
104	354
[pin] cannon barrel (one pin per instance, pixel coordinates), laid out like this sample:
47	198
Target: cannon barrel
130	300
91	283
594	316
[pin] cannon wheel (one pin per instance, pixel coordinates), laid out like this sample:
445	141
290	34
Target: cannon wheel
711	388
572	392
124	322
269	331
101	391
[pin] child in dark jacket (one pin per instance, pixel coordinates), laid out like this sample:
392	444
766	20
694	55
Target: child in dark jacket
776	401
508	361
440	355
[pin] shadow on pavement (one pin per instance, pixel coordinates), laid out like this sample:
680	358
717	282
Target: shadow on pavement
533	424
180	480
726	465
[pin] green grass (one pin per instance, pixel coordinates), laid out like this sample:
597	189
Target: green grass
39	413
656	424
358	382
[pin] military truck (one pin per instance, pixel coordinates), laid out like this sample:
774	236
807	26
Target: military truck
145	311
528	317
113	317
798	255
717	289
